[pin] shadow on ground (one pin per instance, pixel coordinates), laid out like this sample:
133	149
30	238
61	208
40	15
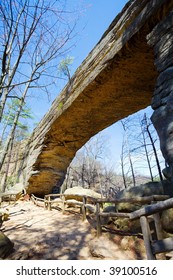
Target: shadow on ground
40	234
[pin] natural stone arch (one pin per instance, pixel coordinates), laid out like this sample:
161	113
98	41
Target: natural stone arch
116	79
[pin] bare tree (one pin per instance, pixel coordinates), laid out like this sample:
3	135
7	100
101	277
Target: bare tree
122	163
126	145
86	166
139	148
34	35
89	169
146	123
146	151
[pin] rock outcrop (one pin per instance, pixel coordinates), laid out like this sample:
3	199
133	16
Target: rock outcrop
167	220
75	192
116	79
147	189
162	101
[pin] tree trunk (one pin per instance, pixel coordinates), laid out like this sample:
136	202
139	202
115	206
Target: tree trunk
122	166
147	157
129	153
154	149
4	182
13	128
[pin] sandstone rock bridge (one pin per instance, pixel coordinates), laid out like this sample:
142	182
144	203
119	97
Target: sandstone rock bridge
130	68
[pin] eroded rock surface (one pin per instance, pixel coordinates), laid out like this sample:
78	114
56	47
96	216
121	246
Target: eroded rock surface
75	192
116	79
162	101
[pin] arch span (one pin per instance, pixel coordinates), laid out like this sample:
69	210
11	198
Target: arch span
116	79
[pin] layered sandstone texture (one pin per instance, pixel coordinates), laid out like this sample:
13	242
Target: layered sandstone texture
115	80
161	39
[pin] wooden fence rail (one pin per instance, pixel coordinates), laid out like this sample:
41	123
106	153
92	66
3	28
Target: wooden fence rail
157	203
95	205
139	200
10	196
152	206
157	245
152	209
66	199
37	200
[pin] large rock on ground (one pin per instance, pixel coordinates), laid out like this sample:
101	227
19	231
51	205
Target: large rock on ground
75	191
123	224
167	188
6	246
148	189
167	220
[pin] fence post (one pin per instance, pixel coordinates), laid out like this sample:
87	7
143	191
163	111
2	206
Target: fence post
45	202
63	204
146	237
158	226
84	208
99	228
49	203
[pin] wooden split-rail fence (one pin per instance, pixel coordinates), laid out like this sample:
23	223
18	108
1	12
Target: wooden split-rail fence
151	207
8	196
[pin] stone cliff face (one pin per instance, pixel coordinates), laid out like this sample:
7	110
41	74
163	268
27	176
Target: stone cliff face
116	79
161	39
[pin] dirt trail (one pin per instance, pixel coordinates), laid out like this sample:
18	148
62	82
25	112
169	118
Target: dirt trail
42	234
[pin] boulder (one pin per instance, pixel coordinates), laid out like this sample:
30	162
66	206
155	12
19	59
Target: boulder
167	188
120	223
128	207
167	220
148	189
127	225
6	246
75	191
167	172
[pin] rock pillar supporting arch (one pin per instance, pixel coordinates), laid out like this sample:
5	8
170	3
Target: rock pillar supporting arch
161	39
